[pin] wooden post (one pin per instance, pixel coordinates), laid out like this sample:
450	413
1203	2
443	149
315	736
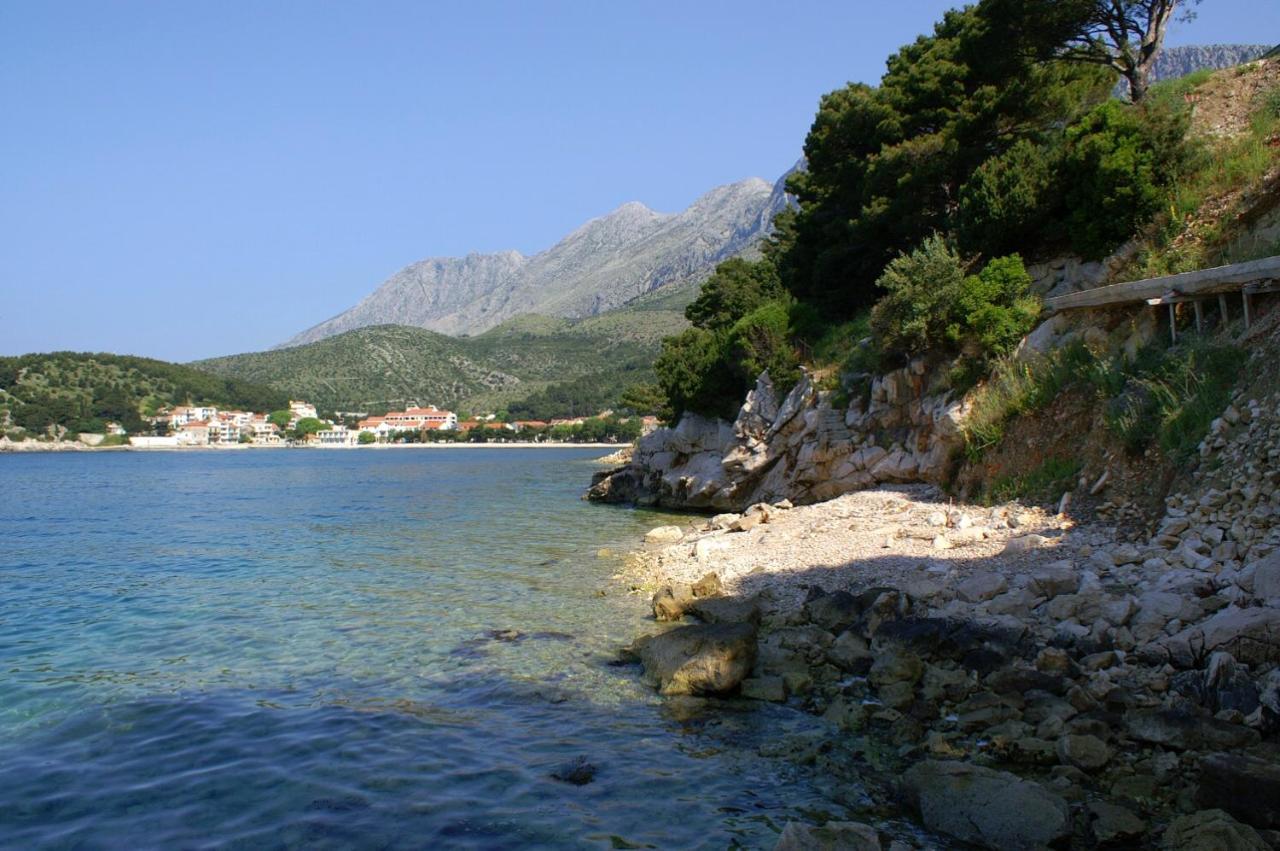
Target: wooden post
1244	297
1222	308
1173	324
1199	316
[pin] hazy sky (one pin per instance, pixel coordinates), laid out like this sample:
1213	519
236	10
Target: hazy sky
183	179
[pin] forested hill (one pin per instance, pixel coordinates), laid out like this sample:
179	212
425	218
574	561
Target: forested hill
535	366
82	391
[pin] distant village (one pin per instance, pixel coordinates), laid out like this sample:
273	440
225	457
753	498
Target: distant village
203	425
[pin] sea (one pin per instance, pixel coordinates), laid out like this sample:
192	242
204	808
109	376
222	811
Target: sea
351	649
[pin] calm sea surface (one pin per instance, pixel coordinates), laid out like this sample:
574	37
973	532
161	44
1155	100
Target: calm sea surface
294	649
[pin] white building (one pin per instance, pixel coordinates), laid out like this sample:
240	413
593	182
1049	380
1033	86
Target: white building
338	435
302	410
151	442
193	434
224	431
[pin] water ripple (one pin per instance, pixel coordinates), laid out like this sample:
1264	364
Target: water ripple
305	649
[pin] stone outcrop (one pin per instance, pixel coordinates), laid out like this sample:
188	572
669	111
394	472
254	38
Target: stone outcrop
990	808
701	659
800	448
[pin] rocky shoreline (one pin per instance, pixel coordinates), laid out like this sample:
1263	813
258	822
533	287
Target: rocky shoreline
1008	677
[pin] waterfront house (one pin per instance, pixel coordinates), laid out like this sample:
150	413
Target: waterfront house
193	434
417	419
338	435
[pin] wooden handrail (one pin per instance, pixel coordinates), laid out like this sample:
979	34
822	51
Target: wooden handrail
1204	282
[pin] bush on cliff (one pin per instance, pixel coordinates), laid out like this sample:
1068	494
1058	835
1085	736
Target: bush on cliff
742	326
761	341
887	164
1118	164
931	307
735	289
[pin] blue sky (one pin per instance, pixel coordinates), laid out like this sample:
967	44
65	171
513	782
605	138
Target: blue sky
183	180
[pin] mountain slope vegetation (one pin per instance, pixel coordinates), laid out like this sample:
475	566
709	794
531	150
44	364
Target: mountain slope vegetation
584	364
79	391
980	148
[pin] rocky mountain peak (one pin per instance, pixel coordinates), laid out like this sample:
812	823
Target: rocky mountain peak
603	264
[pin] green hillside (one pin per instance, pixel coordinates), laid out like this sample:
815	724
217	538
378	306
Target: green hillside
82	391
566	365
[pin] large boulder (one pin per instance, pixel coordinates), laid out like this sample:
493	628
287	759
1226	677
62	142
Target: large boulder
726	610
990	808
704	659
1252	636
664	535
1245	786
1266	577
1211	830
1187	730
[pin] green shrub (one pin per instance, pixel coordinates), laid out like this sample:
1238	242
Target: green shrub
761	341
994	310
1008	200
1118	162
914	314
695	373
1165	395
932	307
1174	398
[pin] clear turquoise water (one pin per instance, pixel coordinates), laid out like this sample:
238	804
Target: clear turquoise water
291	649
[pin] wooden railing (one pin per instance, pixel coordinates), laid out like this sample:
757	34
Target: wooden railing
1247	279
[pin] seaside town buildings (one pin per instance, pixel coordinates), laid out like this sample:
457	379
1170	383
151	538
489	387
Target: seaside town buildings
209	426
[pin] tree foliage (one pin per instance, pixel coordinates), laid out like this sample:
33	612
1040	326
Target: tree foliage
1117	163
1122	35
646	399
742	326
736	288
888	166
307	426
931	307
83	392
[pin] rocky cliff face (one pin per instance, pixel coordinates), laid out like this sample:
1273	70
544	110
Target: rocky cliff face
1175	62
604	264
801	449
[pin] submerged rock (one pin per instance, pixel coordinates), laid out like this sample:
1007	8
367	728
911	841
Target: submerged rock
579	772
832	836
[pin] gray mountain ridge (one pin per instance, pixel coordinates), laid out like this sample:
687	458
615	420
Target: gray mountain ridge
604	264
1174	62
